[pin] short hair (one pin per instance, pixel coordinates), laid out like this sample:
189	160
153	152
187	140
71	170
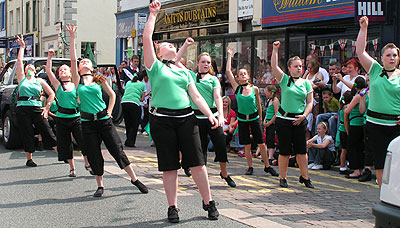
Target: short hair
327	91
354	62
334	63
294	58
123	61
134	57
314	65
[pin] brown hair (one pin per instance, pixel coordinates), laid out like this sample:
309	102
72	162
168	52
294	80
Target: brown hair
273	90
211	70
98	78
314	65
294	58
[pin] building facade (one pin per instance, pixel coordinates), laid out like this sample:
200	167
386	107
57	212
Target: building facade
42	22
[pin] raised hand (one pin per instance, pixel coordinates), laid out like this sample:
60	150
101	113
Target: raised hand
71	29
229	49
21	41
276	45
155	7
189	41
50	53
364	22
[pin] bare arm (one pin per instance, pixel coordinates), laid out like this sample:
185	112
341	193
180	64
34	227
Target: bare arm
218	102
276	107
229	68
258	102
365	59
189	41
325	144
47	89
143	96
149	54
309	106
49	72
199	101
19	72
336	89
111	97
74	65
276	70
363	104
347	110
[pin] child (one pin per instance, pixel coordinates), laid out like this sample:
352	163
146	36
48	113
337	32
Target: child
269	121
321	149
344	101
331	107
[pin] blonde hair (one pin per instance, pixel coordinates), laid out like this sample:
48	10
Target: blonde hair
211	70
229	103
324	126
392	46
294	58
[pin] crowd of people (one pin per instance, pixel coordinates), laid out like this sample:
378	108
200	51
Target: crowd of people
353	104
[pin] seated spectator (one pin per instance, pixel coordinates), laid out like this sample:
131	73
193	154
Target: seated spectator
321	149
331	107
238	147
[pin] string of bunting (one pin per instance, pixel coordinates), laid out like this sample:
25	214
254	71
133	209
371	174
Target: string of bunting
342	43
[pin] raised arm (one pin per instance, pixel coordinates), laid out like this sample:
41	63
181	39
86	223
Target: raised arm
72	51
189	41
19	72
49	72
229	68
276	70
149	54
365	59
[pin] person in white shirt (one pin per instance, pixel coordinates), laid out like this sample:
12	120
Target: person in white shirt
346	83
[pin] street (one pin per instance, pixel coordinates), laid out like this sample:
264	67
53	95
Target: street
46	197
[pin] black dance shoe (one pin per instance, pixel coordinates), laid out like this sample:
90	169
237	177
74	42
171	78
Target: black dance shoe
366	176
99	192
142	188
307	183
249	171
187	172
228	180
212	210
283	183
30	163
173	214
271	170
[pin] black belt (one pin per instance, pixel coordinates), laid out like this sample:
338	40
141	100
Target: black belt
288	114
382	116
247	117
198	112
33	98
171	112
93	116
67	110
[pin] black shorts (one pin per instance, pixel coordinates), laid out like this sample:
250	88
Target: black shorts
270	136
256	130
377	139
343	139
292	139
172	135
217	138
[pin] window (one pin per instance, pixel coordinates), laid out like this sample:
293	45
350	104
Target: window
11	22
34	15
3	16
27	17
18	21
47	13
58	9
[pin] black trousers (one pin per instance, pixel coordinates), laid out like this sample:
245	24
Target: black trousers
29	116
94	132
355	147
66	126
145	119
132	113
217	138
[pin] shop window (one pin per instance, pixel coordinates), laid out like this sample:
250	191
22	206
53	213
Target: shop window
216	50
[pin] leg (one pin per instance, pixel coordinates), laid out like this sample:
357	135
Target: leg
283	163
302	161
312	153
200	177
332	125
129	116
247	151
379	174
170	181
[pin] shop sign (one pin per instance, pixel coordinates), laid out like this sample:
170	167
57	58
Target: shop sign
3	43
192	16
125	26
245	10
373	9
142	20
287	12
13	46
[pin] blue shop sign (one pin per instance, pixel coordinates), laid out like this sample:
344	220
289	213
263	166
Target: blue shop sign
288	12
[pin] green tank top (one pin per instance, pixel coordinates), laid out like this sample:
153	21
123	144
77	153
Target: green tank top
29	88
355	117
67	99
270	112
91	99
341	119
247	104
133	92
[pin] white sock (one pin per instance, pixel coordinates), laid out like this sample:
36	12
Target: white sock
343	168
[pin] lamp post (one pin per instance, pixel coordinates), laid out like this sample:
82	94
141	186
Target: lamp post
60	43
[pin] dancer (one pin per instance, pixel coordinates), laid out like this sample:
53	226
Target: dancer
68	119
383	123
291	118
249	115
172	123
29	107
97	125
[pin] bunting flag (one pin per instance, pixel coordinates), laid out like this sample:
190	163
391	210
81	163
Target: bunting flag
331	48
353	46
313	48
342	43
322	49
375	43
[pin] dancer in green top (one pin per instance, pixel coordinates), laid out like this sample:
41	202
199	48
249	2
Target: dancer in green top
249	115
383	114
68	121
97	125
29	107
291	118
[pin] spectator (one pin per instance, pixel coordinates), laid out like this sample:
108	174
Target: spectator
346	82
128	72
331	107
344	101
321	149
229	117
324	73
